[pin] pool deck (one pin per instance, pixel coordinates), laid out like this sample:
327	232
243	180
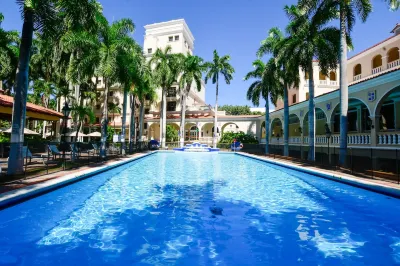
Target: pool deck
19	190
375	185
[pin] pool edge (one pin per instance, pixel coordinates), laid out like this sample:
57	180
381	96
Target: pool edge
20	195
355	182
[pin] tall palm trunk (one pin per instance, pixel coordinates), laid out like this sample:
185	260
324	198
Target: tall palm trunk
15	161
132	125
183	117
215	138
311	115
123	126
267	126
164	125
285	121
141	119
344	92
79	124
162	115
105	121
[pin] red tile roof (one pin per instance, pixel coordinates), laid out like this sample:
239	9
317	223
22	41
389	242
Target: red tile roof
372	47
8	101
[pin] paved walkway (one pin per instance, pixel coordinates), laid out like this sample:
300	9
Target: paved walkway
22	183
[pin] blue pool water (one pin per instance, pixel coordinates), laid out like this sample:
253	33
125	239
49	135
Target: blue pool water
156	211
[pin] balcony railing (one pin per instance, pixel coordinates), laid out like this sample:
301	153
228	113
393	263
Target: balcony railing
389	138
376	70
333	83
357	77
323	82
393	64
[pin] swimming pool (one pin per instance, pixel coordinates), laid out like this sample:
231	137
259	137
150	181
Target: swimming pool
156	211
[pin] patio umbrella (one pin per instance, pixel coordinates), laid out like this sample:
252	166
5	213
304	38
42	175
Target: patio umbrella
94	134
73	134
26	131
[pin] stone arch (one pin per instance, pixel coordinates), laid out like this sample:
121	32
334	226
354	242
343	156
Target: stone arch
322	76
376	61
358	116
230	127
320	120
294	126
262	131
207	131
387	108
393	55
154	131
276	127
357	70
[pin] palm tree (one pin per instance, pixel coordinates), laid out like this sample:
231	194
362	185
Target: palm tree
219	65
38	15
115	40
163	63
114	109
79	114
191	73
9	41
267	86
310	38
348	11
288	71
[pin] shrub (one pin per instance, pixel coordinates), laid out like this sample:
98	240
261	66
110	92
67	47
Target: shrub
242	137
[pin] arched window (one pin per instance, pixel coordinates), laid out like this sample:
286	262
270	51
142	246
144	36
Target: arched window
357	72
332	76
307	76
322	76
377	61
393	57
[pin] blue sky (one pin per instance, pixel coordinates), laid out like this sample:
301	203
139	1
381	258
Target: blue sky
233	27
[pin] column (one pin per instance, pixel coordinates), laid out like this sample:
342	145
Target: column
359	119
384	63
374	130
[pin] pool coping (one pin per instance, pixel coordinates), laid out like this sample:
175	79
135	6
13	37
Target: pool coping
352	181
17	196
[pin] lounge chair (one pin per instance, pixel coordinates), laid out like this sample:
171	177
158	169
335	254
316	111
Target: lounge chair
53	151
236	146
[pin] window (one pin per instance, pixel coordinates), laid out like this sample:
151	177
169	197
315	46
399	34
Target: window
97	120
97	106
307	96
332	76
150	50
170	38
109	119
357	70
99	82
176	37
111	93
294	98
145	125
171	106
171	92
147	111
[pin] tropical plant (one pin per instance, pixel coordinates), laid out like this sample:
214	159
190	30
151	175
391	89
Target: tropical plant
310	38
266	86
164	66
235	109
219	65
287	70
229	137
9	41
115	41
191	74
171	134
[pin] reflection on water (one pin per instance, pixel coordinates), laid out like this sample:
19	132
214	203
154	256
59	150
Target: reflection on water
157	211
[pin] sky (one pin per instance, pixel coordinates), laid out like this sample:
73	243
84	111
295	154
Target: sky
233	27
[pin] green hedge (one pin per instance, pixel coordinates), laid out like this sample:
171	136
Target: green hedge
242	137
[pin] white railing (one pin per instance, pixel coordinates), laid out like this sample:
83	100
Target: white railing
376	70
276	140
357	77
295	140
389	138
393	64
333	83
353	139
323	82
